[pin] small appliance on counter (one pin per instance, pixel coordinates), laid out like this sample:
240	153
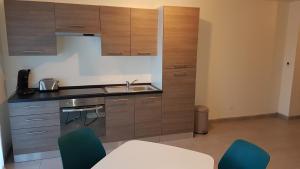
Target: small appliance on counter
22	86
48	85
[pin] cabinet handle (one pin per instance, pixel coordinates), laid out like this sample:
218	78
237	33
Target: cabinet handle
149	99
120	100
179	74
29	120
119	53
76	26
30	107
36	132
144	53
181	66
32	51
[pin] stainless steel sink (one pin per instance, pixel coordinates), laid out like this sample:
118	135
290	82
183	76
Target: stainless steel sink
131	89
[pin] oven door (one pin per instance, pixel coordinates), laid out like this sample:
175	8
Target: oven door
72	118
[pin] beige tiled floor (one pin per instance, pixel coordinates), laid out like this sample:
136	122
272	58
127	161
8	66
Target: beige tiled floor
279	137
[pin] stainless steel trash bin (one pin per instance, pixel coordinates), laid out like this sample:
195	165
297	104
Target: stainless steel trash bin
201	119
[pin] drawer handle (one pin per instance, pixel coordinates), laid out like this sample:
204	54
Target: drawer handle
32	51
120	100
182	66
118	53
30	107
29	120
179	74
76	26
36	132
144	53
149	99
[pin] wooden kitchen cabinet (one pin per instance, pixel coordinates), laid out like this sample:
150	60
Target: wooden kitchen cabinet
179	68
115	31
148	115
180	37
30	28
119	118
72	18
178	100
144	32
35	128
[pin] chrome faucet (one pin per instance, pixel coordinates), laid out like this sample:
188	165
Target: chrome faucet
128	84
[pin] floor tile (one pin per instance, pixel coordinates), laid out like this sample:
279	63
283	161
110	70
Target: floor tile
281	138
54	163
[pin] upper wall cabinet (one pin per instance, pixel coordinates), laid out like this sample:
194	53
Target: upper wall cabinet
77	18
30	28
144	32
180	37
115	31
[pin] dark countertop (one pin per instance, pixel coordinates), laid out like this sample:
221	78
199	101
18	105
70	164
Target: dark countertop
73	92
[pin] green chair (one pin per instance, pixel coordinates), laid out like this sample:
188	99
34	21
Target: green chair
244	155
80	149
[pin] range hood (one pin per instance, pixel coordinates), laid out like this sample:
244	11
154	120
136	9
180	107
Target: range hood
76	34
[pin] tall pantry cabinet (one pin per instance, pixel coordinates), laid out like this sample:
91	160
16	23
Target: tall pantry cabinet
179	68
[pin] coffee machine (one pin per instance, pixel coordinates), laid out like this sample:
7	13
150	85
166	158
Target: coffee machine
22	86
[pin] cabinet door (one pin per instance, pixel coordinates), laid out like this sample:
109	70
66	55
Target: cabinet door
33	140
178	100
115	31
119	118
30	28
180	36
148	115
77	18
144	32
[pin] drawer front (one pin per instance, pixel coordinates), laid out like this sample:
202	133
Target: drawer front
30	108
148	108
35	139
119	111
148	129
119	133
31	121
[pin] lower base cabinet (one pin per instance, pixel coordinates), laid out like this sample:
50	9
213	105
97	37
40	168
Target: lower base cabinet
119	118
178	100
35	129
129	117
148	116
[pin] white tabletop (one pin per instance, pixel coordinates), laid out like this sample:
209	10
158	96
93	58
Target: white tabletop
146	155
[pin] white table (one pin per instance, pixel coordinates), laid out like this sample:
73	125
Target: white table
146	155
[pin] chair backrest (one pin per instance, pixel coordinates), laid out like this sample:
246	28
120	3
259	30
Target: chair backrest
80	149
244	155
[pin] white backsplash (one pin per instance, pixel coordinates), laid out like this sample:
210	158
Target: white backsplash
79	62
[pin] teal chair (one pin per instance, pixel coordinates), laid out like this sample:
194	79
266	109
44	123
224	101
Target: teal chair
80	149
244	155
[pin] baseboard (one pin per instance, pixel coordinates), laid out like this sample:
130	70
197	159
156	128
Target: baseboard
260	116
288	117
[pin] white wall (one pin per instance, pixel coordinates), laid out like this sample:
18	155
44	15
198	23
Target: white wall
238	71
79	62
291	38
